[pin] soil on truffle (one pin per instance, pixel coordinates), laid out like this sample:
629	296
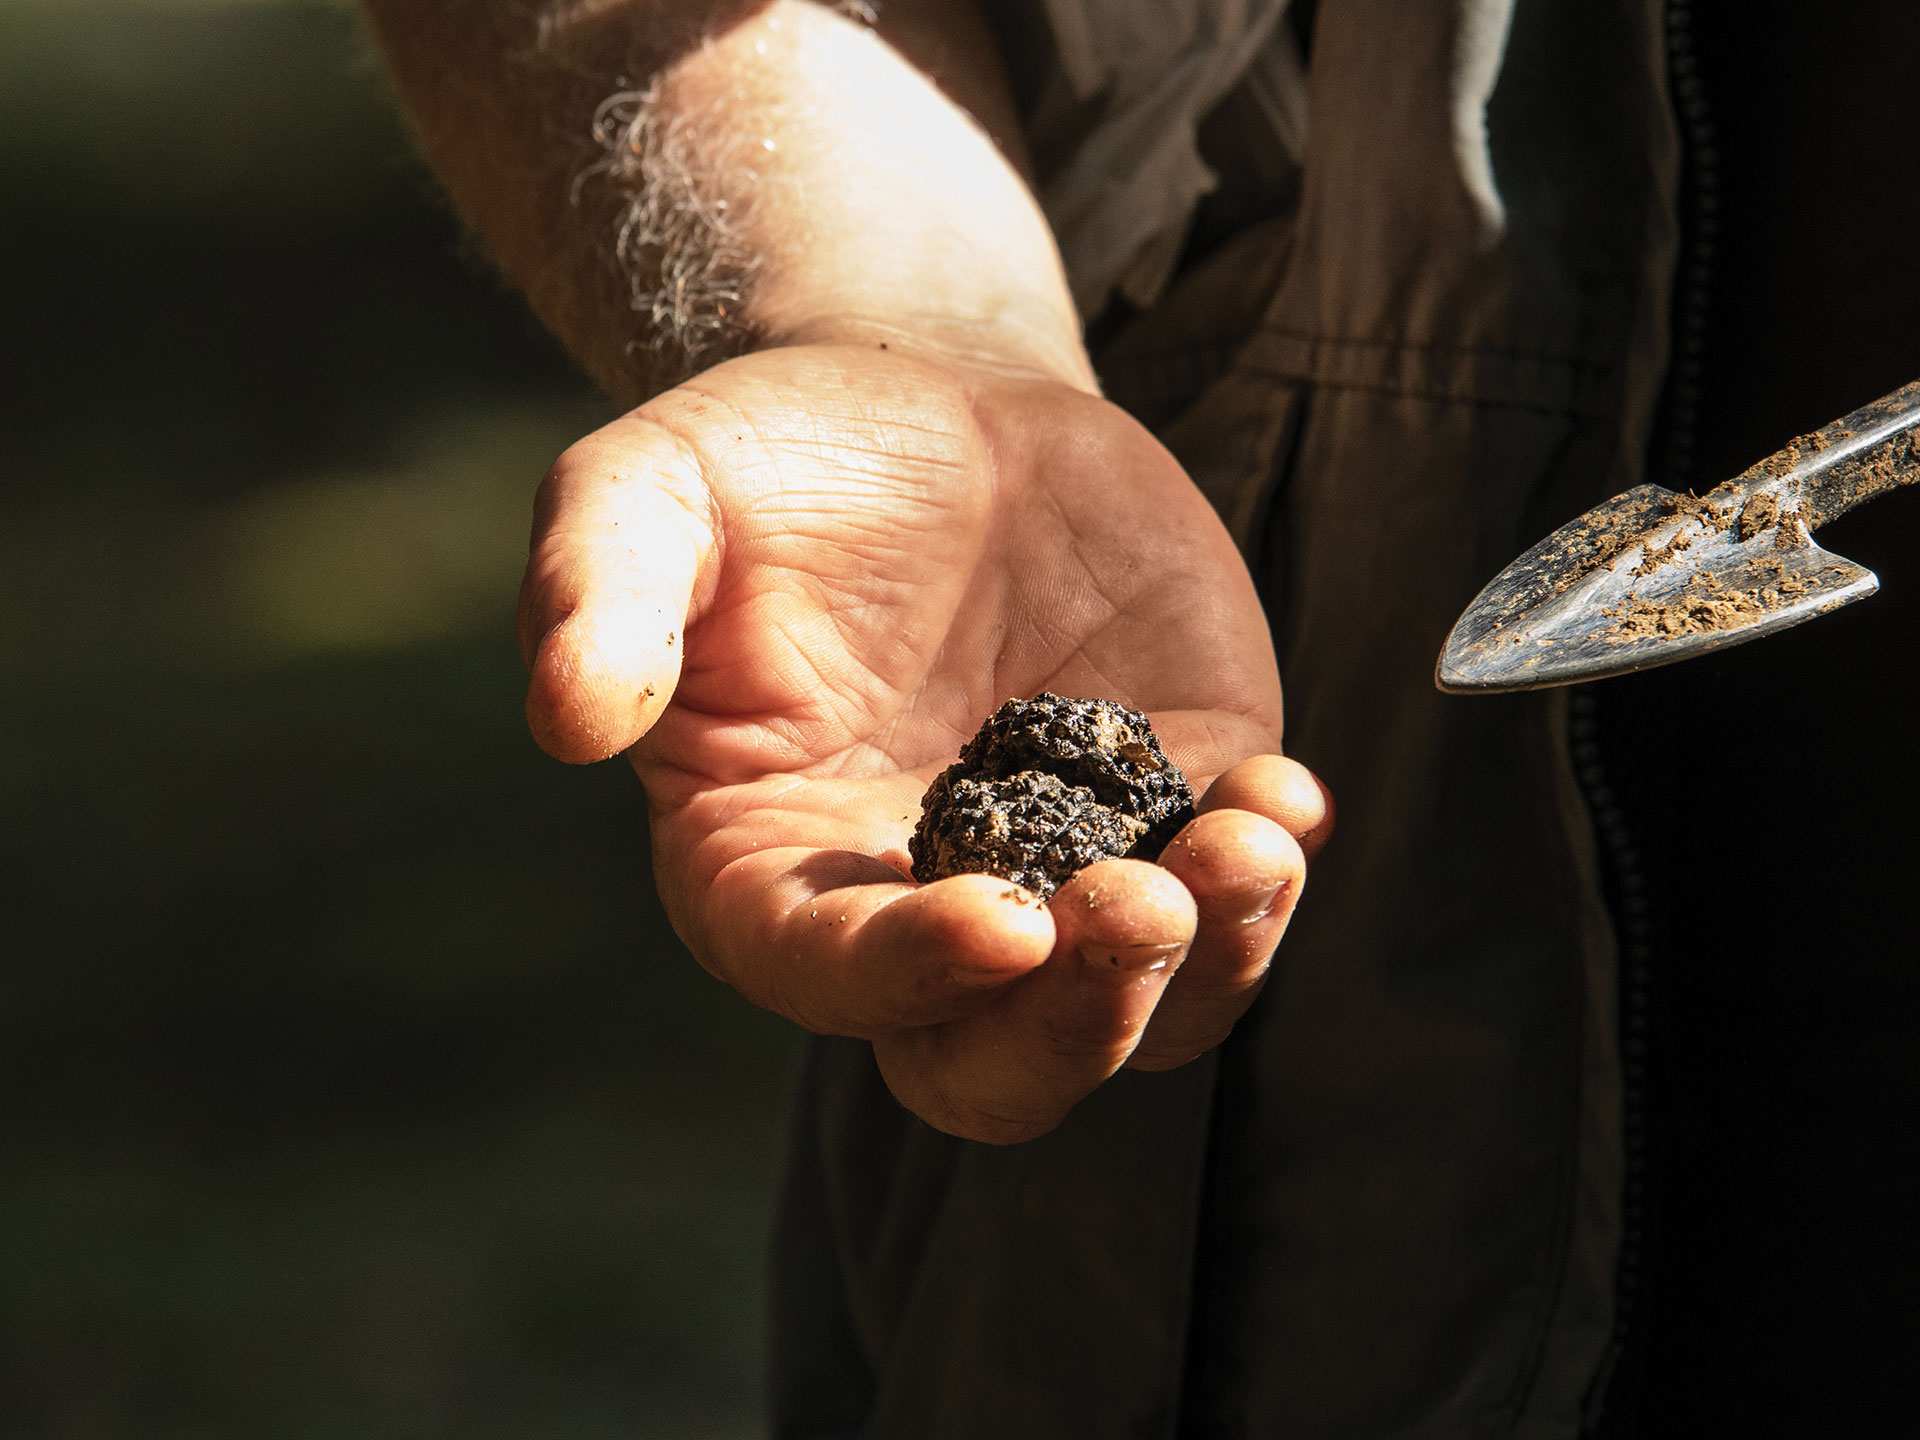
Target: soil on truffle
1046	787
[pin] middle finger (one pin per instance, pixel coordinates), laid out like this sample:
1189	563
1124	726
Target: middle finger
1245	873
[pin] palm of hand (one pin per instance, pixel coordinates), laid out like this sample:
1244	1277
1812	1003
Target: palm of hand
871	552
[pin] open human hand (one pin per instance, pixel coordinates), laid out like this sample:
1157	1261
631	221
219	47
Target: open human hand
793	587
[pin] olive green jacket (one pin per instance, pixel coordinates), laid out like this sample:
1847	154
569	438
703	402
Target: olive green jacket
1391	1205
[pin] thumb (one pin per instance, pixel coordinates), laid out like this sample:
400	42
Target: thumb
625	544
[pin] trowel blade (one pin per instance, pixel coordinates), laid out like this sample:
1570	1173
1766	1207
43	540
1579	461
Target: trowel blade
1649	578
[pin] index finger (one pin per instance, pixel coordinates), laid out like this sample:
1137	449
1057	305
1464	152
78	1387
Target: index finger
1013	1071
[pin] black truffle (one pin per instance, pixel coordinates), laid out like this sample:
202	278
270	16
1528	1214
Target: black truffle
1046	787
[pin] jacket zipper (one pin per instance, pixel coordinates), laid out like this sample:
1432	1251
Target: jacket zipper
1633	910
1700	179
1633	930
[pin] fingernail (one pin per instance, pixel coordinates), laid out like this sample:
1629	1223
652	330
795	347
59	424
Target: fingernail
1132	959
1244	908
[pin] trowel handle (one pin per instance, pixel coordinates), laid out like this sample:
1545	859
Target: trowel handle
1872	451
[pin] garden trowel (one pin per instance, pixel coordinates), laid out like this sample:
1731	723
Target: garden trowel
1654	575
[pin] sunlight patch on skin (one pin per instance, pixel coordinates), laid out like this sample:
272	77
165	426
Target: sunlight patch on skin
832	451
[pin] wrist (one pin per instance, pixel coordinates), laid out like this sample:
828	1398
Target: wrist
1001	341
877	211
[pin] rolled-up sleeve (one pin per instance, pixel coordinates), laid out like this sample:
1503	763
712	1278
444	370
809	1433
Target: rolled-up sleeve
1135	79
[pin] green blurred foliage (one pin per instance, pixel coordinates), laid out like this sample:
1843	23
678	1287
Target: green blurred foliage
356	1085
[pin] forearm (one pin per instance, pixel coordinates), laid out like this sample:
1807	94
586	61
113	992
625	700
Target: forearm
790	176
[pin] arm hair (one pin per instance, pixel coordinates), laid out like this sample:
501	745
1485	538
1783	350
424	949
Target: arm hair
626	200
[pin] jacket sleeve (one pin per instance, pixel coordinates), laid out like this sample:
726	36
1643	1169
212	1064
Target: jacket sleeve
1115	119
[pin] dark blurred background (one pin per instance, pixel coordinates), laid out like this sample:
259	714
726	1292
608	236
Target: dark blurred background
353	1083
